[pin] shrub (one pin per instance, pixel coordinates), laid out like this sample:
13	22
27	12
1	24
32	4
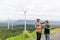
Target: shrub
26	34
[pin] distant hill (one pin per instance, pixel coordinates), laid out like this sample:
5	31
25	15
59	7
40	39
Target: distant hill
20	22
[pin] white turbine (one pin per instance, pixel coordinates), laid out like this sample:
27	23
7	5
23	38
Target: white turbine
8	24
25	20
12	25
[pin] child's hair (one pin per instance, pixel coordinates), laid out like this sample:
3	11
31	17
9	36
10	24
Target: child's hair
47	21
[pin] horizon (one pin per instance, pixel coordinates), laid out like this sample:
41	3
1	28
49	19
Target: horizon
24	19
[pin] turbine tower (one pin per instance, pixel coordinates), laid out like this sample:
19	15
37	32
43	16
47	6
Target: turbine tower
25	20
8	24
12	25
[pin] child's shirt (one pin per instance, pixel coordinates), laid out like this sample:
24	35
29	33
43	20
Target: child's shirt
47	29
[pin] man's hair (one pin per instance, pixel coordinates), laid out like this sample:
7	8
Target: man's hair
38	20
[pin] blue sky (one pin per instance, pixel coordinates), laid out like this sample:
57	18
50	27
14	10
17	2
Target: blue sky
43	9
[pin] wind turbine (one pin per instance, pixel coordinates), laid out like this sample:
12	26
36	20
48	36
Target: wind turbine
12	25
25	20
8	24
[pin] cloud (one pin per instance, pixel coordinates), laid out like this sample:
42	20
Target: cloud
14	9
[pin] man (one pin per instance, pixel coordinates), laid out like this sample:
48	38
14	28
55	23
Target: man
38	29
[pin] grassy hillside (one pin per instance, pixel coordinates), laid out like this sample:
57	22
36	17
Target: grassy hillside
17	30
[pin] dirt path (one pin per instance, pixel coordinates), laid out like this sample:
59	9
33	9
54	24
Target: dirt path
56	36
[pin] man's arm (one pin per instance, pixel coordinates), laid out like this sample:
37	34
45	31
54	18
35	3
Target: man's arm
43	23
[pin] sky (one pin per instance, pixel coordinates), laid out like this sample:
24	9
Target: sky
43	9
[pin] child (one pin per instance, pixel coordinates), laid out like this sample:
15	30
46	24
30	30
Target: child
47	30
38	29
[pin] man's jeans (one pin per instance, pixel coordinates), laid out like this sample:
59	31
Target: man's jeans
47	36
38	35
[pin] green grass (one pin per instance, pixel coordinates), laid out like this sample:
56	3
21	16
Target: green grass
53	31
33	34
